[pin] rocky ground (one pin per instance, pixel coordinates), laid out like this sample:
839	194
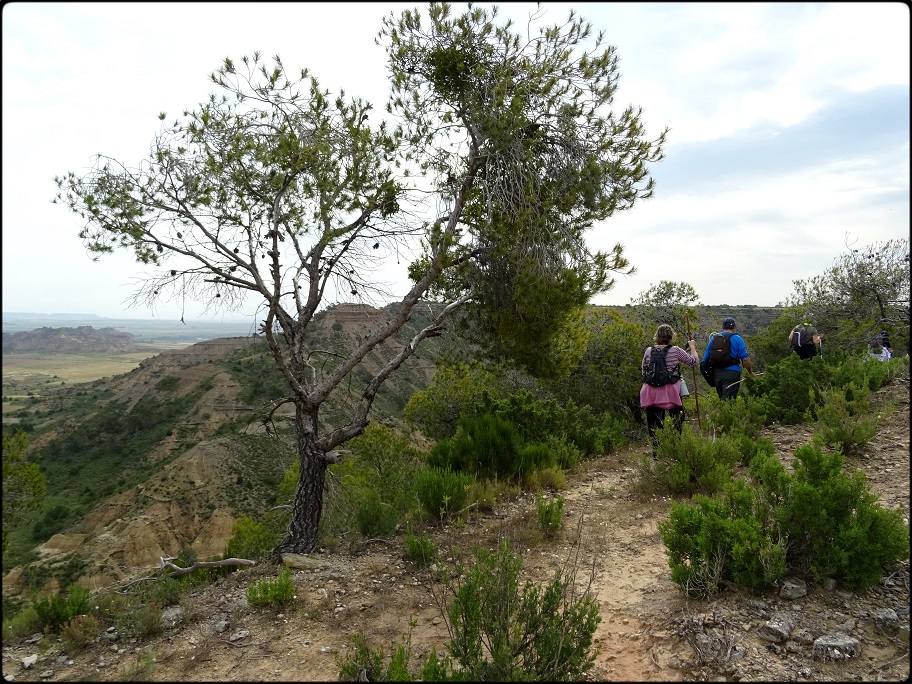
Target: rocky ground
648	630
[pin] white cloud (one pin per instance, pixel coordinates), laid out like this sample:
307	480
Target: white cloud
784	126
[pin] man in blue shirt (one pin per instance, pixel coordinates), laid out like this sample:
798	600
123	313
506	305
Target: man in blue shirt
727	380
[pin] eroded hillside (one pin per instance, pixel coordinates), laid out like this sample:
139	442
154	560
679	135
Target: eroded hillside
165	457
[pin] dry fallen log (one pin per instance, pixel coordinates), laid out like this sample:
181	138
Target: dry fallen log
176	570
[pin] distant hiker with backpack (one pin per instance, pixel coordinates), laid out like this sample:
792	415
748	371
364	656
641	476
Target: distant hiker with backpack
885	342
723	357
805	340
661	390
878	351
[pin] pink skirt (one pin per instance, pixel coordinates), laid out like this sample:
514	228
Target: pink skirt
666	396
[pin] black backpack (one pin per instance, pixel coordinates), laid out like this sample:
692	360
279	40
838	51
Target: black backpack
803	343
720	351
799	336
657	373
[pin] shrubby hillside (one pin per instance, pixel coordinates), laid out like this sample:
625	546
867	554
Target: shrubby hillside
166	457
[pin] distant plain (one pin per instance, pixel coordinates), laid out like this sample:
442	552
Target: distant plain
35	373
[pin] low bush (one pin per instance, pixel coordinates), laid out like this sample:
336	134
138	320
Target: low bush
501	632
79	633
550	515
23	623
442	492
484	445
818	522
566	453
834	524
748	447
687	463
373	517
364	664
744	415
484	494
546	478
372	490
845	419
790	388
252	539
140	620
708	543
56	610
419	548
276	591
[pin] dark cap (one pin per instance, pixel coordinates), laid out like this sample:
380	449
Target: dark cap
728	323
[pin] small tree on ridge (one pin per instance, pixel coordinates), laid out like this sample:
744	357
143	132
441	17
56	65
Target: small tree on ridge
505	153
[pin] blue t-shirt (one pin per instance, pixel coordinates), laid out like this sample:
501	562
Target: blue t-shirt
738	349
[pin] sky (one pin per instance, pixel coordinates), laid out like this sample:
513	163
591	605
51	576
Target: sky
788	138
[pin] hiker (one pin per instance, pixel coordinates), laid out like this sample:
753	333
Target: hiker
885	342
878	351
659	399
730	353
805	340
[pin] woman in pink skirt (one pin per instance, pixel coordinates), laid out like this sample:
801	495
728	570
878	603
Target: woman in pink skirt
665	398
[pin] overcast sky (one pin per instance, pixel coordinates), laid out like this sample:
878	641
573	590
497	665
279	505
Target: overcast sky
789	128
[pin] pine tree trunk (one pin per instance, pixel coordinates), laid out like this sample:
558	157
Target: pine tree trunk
307	506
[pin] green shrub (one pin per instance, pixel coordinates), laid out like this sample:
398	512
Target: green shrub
533	457
140	620
500	632
420	549
455	391
538	420
550	515
251	539
861	372
79	633
834	524
707	542
546	478
818	522
363	663
845	419
748	447
53	520
485	493
373	517
21	624
167	383
566	453
744	415
687	463
167	591
790	388
267	592
442	492
56	610
373	489
484	445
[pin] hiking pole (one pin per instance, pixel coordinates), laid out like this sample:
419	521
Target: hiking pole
693	370
756	375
